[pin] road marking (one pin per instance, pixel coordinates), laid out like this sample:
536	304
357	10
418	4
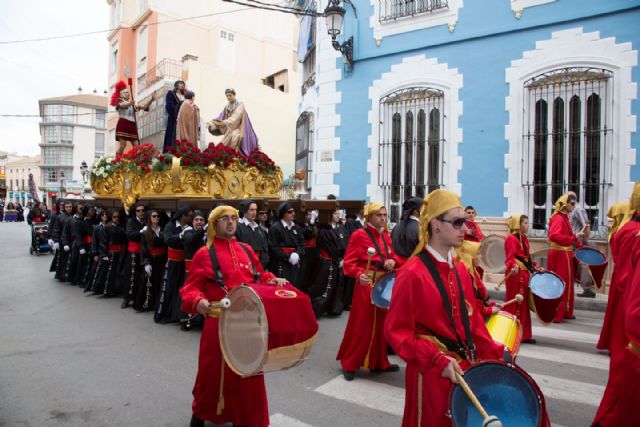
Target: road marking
280	420
569	390
370	394
578	358
565	334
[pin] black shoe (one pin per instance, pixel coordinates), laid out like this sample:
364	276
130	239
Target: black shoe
392	368
348	375
390	351
588	293
530	341
570	317
196	422
124	304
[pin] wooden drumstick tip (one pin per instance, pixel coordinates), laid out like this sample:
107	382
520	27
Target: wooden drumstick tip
519	297
492	421
371	251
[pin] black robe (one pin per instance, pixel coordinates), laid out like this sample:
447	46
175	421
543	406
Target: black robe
168	305
172	106
147	290
97	234
63	227
281	241
326	285
52	232
404	237
83	232
309	263
193	240
133	267
257	239
115	235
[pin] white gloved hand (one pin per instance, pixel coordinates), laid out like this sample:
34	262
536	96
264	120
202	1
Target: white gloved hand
50	242
187	228
206	226
294	259
66	248
341	263
148	269
82	251
56	246
105	258
143	229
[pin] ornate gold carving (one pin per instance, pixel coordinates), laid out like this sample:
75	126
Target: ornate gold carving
198	181
155	182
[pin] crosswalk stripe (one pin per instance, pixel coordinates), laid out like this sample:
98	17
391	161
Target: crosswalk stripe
569	390
577	358
363	392
565	334
280	420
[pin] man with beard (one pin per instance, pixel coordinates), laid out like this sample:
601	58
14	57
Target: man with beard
133	265
286	245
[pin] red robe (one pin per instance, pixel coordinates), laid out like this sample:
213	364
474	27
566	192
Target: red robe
561	261
482	295
416	301
612	336
518	283
363	344
622	321
245	399
474	233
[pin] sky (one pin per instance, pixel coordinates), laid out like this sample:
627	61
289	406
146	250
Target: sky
37	70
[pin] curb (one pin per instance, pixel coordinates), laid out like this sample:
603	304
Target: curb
597	304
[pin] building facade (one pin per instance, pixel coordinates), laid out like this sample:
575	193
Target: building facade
72	131
17	180
250	50
6	157
509	105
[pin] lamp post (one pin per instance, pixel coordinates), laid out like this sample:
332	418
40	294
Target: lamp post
334	15
61	184
84	170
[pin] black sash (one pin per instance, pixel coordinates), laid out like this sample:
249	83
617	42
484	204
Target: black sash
218	272
635	218
468	350
378	250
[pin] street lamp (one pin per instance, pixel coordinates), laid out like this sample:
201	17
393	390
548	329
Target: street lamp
334	15
84	170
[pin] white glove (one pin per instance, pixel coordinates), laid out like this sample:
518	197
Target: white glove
50	242
341	263
148	269
66	248
105	258
187	228
206	226
56	246
143	229
82	251
294	259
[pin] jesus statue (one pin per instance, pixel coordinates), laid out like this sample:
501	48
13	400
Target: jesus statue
234	125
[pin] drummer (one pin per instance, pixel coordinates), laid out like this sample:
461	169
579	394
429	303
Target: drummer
467	253
220	395
473	229
363	344
519	267
436	336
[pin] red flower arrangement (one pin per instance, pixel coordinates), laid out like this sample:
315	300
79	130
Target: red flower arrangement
261	161
189	154
139	157
220	155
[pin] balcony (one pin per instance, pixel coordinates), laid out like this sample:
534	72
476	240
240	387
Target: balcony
165	70
393	9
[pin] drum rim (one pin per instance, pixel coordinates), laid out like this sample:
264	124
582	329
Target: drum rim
221	322
536	388
590	249
489	269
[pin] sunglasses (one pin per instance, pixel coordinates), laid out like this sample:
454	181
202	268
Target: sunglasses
262	213
455	223
154	215
140	210
228	218
291	211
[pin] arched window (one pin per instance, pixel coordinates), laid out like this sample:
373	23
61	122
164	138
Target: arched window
570	156
410	159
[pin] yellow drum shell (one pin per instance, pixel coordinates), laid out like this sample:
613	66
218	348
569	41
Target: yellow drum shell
505	329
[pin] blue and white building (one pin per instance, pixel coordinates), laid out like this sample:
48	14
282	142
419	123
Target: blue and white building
508	103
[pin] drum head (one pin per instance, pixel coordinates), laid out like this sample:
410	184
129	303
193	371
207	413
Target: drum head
546	285
244	332
503	391
381	292
492	254
590	256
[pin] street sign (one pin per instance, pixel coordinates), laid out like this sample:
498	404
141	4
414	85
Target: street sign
52	186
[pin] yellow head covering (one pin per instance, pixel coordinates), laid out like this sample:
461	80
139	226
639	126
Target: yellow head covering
372	209
634	201
561	203
513	222
466	253
215	214
435	204
619	212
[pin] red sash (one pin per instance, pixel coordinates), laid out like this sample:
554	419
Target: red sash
311	243
134	247
87	239
288	251
116	248
187	265
158	251
176	255
325	255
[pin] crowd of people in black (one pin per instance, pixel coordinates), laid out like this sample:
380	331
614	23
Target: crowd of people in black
144	257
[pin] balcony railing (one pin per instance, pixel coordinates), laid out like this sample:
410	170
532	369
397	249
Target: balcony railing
167	69
394	9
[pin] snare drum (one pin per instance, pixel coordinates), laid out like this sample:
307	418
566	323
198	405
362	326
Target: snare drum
382	289
505	329
545	296
590	256
504	390
266	328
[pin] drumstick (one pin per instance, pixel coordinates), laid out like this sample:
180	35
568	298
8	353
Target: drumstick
489	420
370	252
497	288
215	307
518	298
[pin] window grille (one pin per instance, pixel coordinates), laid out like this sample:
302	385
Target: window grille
411	145
567	137
394	9
304	146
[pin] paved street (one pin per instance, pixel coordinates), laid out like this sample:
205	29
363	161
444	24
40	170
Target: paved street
69	359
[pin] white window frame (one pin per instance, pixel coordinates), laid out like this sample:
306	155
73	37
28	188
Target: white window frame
142	45
447	16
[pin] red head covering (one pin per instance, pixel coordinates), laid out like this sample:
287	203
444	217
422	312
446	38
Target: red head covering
116	93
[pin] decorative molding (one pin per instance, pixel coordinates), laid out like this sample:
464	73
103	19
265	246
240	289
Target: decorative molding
447	16
519	5
419	71
569	48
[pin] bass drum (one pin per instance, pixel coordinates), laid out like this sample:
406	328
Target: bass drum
266	328
492	254
382	289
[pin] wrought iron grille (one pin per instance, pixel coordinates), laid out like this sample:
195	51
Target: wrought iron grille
567	137
411	145
394	9
304	146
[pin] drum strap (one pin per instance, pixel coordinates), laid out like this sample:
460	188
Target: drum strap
375	244
527	263
470	348
218	272
635	218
